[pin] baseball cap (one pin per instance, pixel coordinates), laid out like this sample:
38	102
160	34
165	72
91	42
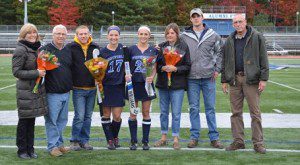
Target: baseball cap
196	11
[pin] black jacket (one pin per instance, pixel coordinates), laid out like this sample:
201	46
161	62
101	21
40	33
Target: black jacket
24	68
59	80
178	78
80	74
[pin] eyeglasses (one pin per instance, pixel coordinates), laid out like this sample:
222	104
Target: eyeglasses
60	34
238	21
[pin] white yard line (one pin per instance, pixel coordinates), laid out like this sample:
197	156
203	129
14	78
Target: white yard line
284	85
7	86
169	148
270	120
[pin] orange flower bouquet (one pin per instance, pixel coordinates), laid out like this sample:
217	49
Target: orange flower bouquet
172	57
45	61
97	67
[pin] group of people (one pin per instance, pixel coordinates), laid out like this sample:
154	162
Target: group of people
242	60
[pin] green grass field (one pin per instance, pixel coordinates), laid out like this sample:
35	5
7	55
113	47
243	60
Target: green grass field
274	138
275	97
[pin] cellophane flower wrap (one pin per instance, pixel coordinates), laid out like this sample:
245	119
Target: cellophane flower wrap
148	63
45	61
97	67
172	57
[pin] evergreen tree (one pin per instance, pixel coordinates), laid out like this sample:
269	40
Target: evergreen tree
7	12
36	12
89	10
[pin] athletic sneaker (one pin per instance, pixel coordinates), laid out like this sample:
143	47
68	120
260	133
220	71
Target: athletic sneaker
146	146
116	142
133	146
111	145
75	146
86	146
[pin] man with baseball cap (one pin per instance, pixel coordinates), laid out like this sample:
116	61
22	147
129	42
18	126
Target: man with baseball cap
205	51
196	11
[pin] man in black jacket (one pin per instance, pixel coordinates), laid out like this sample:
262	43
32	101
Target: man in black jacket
58	84
245	68
84	90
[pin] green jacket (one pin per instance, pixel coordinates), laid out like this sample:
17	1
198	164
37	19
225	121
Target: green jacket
256	65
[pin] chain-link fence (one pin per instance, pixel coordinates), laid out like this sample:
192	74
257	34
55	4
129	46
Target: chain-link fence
283	37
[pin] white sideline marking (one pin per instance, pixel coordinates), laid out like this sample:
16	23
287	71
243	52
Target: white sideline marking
284	85
277	111
270	120
167	148
7	86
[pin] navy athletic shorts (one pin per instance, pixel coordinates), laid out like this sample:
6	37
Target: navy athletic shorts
114	95
140	93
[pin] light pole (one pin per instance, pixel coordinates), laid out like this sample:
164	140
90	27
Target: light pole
275	15
297	14
113	17
274	11
25	11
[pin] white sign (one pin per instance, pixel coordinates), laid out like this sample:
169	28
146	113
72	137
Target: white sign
22	0
220	15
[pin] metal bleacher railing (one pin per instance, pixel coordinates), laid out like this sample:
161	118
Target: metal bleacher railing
279	39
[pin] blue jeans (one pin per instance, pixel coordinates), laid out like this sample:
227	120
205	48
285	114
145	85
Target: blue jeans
84	102
57	118
175	97
208	88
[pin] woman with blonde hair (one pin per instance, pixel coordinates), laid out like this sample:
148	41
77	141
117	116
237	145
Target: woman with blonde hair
113	87
138	53
30	105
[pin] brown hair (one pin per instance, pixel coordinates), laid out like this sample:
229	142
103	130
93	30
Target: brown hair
81	27
174	27
27	28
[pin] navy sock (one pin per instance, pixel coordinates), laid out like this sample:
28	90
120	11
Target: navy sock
133	130
146	130
116	128
107	128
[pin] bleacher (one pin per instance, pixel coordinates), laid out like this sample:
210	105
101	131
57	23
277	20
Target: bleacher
276	42
287	42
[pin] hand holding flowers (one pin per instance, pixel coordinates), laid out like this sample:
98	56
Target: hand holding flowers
172	57
149	64
97	67
45	61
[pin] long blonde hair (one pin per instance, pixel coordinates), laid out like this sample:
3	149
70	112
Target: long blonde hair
27	28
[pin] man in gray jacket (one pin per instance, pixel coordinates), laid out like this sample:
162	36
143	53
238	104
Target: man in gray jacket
245	68
206	59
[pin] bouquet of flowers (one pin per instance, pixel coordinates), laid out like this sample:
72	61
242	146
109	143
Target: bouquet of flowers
172	57
45	61
97	67
148	64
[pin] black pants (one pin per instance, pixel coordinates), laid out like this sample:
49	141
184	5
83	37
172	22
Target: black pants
25	135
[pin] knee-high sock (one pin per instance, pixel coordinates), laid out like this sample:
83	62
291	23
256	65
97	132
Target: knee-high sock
116	128
133	130
146	130
107	128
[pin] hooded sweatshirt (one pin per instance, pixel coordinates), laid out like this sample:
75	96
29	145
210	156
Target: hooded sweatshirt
82	79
